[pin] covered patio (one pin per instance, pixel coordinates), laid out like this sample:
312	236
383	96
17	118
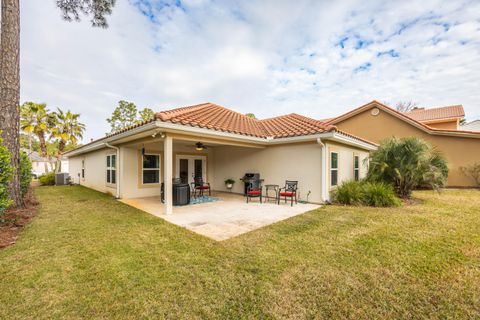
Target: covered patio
227	216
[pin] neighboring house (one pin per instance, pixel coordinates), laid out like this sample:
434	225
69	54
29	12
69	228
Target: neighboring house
42	165
471	126
376	121
439	118
133	162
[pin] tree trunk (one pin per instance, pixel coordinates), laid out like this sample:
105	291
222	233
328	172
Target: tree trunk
30	142
10	90
43	148
61	148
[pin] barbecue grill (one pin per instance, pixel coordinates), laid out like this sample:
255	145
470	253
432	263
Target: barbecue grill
251	180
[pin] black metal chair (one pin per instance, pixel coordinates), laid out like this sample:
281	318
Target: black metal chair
254	190
200	186
289	191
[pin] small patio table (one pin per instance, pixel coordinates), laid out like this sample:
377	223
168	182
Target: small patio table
271	187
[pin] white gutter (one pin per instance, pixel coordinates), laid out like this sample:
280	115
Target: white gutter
117	168
324	183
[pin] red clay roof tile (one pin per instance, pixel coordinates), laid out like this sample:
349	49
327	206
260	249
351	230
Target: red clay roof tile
438	113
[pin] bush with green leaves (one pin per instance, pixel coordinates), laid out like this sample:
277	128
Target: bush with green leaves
47	179
374	194
25	173
379	194
349	193
408	164
6	172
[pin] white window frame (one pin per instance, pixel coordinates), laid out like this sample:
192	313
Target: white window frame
159	169
356	169
111	168
333	169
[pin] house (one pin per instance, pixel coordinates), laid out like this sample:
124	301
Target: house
42	165
471	126
375	121
217	143
448	117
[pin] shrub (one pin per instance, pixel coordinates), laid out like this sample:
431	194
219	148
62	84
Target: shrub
47	179
349	193
407	164
6	172
25	173
472	171
374	194
378	194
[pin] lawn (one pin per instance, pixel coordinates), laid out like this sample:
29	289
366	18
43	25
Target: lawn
88	256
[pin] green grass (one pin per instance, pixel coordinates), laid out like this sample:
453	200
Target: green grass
88	256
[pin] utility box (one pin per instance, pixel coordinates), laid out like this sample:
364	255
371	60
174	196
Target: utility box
61	179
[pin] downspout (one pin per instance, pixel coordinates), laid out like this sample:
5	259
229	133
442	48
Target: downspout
117	167
325	196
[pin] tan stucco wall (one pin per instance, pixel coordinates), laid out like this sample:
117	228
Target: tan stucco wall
459	151
451	125
275	164
301	161
128	169
346	162
95	170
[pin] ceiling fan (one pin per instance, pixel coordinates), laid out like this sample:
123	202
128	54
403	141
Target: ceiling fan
200	146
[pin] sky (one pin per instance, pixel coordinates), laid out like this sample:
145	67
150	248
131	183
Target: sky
316	58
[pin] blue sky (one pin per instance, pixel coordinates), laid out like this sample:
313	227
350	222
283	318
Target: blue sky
316	58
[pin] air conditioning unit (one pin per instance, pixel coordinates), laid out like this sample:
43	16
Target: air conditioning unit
61	179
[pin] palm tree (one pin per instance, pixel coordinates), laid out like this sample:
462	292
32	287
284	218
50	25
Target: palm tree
36	119
67	130
407	164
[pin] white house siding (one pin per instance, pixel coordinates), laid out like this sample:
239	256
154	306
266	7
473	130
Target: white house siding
275	164
346	162
95	170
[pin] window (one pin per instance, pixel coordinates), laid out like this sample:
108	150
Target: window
151	169
333	168
83	169
356	168
111	168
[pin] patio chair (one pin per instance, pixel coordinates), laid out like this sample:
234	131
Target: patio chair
289	191
200	186
254	190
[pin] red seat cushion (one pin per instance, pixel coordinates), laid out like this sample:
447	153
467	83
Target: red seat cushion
254	192
202	187
287	194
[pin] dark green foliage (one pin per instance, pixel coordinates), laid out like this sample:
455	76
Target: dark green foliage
6	172
407	164
126	114
47	179
374	194
378	194
25	173
349	193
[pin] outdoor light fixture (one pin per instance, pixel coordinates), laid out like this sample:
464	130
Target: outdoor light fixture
143	151
200	146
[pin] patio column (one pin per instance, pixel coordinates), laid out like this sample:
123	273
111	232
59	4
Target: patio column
168	168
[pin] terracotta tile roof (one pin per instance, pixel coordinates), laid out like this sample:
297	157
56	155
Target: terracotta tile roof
212	116
439	113
293	124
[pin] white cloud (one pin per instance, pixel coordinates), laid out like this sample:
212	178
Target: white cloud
266	57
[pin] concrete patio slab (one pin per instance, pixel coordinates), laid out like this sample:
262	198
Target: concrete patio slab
223	219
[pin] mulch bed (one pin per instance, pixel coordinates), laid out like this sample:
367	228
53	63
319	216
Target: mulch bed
16	219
